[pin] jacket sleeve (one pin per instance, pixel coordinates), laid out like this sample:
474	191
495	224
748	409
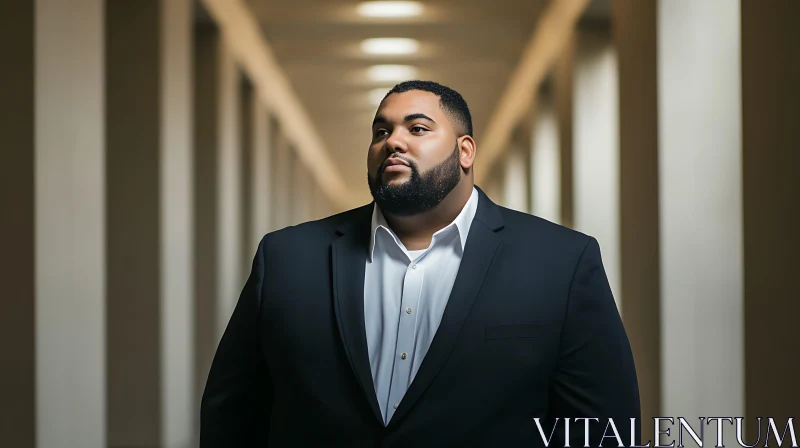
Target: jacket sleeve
596	377
237	400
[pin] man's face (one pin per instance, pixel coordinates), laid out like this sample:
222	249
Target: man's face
414	158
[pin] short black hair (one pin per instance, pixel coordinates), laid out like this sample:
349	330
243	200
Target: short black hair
449	100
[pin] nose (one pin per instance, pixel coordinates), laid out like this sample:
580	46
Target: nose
395	142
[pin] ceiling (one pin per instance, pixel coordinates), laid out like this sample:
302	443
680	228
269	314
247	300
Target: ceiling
469	45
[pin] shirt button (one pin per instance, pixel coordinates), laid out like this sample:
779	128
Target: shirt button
408	310
403	356
413	266
395	406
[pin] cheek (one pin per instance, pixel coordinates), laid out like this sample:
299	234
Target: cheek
431	157
373	160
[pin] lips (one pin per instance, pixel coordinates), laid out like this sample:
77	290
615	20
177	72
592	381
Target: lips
394	165
394	161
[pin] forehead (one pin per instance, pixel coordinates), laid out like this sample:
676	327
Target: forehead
398	105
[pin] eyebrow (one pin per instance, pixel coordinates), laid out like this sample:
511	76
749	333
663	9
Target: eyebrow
407	118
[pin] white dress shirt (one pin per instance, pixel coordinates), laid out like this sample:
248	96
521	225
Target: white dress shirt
405	294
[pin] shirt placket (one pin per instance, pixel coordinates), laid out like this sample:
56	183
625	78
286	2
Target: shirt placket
401	372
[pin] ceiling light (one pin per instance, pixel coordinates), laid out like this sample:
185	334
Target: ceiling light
377	95
389	9
398	45
383	73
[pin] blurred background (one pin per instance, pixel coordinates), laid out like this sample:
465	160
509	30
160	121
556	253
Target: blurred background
147	145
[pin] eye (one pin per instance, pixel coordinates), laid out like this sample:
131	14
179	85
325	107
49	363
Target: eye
418	128
381	133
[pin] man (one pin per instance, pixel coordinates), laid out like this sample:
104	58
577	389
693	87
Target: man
431	317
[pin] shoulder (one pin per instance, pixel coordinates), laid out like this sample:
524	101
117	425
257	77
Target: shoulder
311	234
530	229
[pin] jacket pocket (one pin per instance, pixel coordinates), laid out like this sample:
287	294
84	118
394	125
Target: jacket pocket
514	331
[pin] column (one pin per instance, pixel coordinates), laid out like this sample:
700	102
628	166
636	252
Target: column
299	195
229	194
322	207
494	187
52	316
303	193
246	127
148	163
275	147
770	89
545	162
17	227
523	141
282	170
515	180
595	130
260	175
700	170
635	41
562	76
177	199
70	225
206	202
133	217
218	279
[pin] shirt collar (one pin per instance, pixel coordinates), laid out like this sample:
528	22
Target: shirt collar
462	223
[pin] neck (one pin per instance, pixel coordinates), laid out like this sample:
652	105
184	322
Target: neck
416	231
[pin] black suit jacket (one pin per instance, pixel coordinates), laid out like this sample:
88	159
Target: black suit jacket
530	330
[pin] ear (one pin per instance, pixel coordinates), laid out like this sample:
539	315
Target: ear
466	145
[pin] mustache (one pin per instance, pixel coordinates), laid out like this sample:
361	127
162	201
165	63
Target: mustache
410	163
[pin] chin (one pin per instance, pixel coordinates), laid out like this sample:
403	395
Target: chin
397	180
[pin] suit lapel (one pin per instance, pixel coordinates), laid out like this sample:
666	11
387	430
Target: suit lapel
349	255
482	244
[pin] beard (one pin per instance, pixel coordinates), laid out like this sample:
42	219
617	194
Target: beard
421	192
